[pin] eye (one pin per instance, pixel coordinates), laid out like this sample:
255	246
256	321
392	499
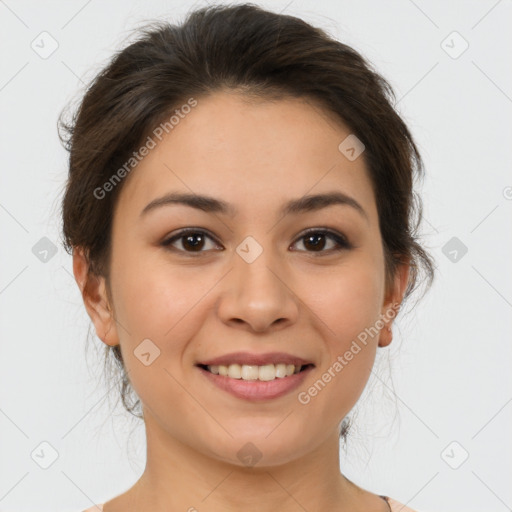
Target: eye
316	240
191	240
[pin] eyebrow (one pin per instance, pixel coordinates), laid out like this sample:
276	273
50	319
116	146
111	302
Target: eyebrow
295	206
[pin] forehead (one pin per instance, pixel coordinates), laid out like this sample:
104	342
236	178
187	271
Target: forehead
250	152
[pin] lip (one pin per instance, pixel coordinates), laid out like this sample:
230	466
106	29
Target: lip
248	358
256	390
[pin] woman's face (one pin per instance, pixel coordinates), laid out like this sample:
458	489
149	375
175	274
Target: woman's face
248	279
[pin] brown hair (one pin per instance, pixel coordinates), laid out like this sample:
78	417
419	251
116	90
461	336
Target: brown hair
260	54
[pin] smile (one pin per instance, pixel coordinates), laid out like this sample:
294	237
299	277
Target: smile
256	383
265	372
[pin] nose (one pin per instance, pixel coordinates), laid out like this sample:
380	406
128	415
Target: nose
258	296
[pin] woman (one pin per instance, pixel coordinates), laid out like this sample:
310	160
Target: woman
239	210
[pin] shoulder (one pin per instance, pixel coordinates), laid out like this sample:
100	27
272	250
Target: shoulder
396	506
95	508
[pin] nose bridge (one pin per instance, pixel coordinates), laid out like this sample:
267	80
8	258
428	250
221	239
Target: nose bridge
256	266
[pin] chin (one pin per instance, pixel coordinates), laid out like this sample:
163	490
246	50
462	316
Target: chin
259	450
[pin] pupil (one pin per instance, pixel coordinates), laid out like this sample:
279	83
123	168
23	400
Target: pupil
188	239
316	244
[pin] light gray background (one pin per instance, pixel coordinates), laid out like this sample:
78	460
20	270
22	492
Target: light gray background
450	359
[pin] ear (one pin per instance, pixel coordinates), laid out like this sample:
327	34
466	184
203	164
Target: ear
94	295
393	301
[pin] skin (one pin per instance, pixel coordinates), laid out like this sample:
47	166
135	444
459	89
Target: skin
255	155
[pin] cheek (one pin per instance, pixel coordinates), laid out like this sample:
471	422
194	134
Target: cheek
163	306
161	302
347	300
348	307
153	302
146	295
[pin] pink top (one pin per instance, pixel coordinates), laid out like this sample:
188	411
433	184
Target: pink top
394	505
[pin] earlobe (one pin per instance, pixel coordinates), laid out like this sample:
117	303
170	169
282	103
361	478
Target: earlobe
94	295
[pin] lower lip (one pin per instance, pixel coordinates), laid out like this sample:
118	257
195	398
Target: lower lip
257	390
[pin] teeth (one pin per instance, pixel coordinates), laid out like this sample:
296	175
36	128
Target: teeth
252	372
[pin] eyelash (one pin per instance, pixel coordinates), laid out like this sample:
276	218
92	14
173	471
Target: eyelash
343	243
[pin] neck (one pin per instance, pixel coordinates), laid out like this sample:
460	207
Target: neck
179	477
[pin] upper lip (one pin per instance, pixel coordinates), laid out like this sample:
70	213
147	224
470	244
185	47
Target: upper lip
247	358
